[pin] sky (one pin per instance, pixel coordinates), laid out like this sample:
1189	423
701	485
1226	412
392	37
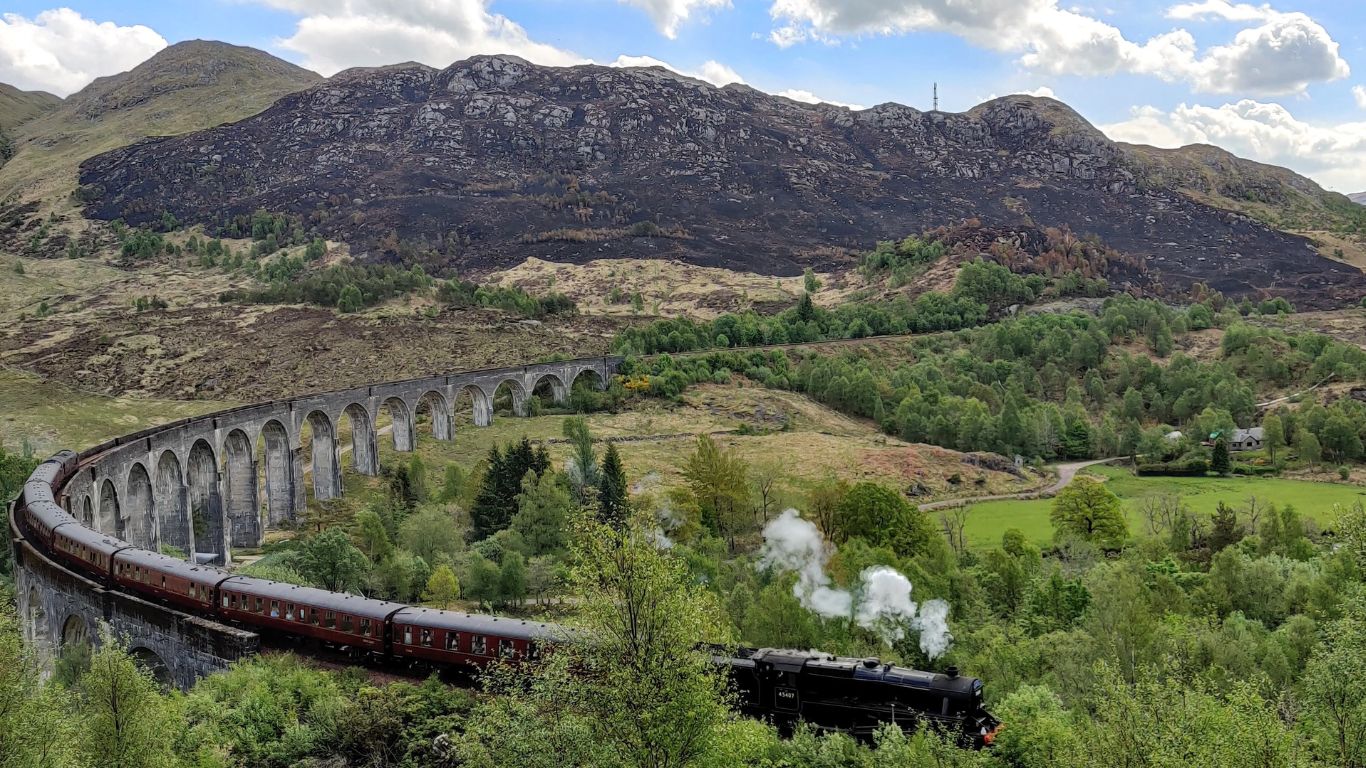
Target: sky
1282	83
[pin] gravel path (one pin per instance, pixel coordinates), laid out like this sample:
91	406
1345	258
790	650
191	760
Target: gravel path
1066	472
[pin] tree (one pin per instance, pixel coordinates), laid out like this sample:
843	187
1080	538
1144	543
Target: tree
1219	459
653	698
810	281
1224	528
442	588
124	721
37	726
1088	510
512	578
1273	434
332	562
400	577
497	500
452	485
431	534
481	579
372	536
543	513
350	299
1309	449
717	480
882	517
823	504
583	463
613	506
1340	438
1335	688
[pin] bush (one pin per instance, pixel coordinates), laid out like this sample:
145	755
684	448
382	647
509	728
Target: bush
1187	468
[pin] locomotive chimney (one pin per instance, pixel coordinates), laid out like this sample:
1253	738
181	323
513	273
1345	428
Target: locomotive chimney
952	672
871	663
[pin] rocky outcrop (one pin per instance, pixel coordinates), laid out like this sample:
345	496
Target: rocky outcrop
493	159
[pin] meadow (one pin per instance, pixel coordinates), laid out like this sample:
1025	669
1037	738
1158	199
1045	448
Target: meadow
1317	501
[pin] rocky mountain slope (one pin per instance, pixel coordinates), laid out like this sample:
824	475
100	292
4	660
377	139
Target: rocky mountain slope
1358	197
187	87
492	160
18	106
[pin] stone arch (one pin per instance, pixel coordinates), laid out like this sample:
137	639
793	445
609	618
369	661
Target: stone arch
75	630
438	411
174	525
588	377
364	448
323	448
206	503
241	501
151	661
400	423
551	389
87	511
510	396
476	400
277	473
139	508
110	520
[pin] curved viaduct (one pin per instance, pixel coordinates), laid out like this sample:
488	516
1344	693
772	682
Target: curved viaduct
206	484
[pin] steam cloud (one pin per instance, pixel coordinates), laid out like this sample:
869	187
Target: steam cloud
881	604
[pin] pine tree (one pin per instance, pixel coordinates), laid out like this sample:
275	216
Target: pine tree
612	502
1219	459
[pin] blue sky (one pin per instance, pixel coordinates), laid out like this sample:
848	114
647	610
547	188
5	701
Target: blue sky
1283	83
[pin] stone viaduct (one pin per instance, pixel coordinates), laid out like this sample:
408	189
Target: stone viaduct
209	483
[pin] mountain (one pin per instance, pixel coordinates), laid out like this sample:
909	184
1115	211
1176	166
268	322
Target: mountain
18	106
186	87
492	160
1358	197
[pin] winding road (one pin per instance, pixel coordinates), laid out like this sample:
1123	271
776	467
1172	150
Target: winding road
1066	473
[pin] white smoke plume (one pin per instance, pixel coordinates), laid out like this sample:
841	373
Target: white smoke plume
794	544
933	624
882	604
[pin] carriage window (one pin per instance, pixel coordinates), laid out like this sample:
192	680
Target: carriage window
329	619
427	637
407	635
479	645
289	611
275	609
313	616
533	651
259	604
452	641
506	649
365	627
346	623
225	599
163	582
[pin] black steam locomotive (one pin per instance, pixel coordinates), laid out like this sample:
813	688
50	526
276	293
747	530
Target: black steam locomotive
855	696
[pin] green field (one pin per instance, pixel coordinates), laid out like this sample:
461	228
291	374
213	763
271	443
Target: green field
1314	500
54	416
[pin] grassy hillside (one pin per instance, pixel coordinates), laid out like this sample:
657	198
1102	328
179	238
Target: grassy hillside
17	107
186	87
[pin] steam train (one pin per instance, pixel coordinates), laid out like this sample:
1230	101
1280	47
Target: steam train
851	695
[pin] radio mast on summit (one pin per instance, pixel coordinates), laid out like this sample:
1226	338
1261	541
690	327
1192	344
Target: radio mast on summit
936	97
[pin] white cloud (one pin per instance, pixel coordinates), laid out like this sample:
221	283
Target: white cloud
1220	9
62	51
1333	155
1042	92
1359	93
669	14
1281	53
713	72
336	34
808	97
